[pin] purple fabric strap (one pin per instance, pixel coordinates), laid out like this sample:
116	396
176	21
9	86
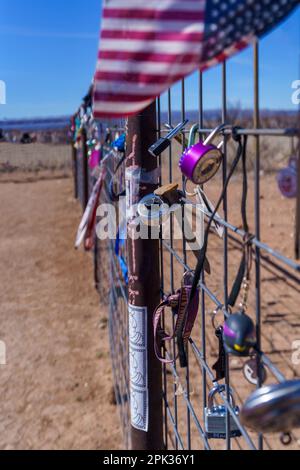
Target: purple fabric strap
179	302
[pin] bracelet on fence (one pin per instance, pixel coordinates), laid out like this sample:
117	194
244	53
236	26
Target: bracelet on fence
185	318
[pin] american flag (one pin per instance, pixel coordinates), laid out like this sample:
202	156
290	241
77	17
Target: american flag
147	45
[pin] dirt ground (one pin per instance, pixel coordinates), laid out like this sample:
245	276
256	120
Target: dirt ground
56	389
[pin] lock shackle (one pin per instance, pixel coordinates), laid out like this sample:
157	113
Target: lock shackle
192	135
215	132
210	138
219	389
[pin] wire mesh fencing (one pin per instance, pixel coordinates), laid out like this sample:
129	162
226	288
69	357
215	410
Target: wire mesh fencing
110	282
273	291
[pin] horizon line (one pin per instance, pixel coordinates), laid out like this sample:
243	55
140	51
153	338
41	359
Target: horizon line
211	110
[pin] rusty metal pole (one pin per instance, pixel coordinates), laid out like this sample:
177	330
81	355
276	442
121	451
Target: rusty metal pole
144	295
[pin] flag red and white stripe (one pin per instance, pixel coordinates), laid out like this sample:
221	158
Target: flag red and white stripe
147	45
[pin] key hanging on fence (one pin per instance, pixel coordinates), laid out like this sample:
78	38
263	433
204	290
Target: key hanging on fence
215	416
164	142
220	366
180	138
185	318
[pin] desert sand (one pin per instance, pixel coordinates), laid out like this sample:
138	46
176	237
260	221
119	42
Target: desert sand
56	389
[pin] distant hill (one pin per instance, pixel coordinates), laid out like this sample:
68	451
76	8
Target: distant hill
237	116
35	124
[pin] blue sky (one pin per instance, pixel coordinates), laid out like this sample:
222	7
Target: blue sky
48	53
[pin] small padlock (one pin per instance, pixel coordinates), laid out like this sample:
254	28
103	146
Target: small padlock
201	161
215	417
239	334
164	142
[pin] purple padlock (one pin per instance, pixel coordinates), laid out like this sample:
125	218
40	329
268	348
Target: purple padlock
287	181
200	162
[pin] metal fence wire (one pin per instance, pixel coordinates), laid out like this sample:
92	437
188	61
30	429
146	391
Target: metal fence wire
273	297
108	276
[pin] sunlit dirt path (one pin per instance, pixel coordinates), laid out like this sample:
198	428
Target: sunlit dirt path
56	387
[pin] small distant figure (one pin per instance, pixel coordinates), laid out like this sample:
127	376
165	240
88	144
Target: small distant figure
2	137
26	139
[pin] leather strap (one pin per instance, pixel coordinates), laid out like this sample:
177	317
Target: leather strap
160	335
185	319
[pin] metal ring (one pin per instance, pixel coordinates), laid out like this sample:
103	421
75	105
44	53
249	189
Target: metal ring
213	316
286	438
215	313
194	194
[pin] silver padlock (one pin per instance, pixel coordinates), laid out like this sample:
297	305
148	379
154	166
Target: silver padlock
215	417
